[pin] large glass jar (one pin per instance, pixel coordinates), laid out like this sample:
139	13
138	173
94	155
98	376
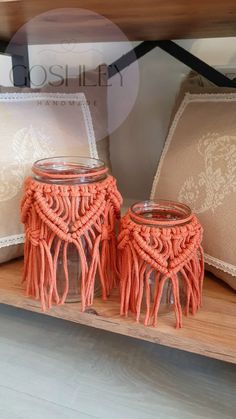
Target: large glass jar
70	171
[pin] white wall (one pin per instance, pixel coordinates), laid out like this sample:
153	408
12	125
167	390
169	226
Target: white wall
5	69
136	145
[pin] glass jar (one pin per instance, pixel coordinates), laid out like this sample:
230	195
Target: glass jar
70	171
162	214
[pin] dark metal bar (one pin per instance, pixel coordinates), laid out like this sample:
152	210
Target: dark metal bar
177	52
130	57
195	63
20	66
20	62
3	46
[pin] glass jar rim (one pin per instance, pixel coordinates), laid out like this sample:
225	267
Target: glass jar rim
161	212
69	169
77	164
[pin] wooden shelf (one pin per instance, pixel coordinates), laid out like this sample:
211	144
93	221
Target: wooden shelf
139	19
212	332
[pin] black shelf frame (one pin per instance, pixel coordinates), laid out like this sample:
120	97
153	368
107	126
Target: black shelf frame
20	61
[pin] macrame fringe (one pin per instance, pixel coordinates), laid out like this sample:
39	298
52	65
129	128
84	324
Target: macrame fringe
57	215
159	255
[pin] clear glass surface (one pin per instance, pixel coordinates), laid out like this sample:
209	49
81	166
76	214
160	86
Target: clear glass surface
67	165
167	214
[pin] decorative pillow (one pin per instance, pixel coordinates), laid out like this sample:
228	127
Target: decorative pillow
93	84
198	167
34	126
197	84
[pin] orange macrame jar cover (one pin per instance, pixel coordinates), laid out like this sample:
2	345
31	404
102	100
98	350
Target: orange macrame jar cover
56	215
164	250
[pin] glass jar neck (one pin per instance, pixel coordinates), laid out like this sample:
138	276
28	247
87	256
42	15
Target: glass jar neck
161	213
69	170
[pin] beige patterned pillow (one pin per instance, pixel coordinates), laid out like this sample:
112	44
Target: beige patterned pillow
65	134
93	84
35	126
198	167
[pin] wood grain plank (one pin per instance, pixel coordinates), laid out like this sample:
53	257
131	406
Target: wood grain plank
139	20
19	405
212	332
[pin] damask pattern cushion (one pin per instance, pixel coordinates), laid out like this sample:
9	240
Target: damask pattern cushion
195	83
34	126
93	83
198	167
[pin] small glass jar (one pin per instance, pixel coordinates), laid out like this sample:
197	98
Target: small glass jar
162	214
52	171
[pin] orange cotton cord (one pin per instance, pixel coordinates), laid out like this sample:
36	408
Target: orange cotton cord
159	253
56	215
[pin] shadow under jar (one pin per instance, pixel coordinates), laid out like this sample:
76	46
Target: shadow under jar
70	171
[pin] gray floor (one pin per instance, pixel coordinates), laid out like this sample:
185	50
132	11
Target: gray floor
54	369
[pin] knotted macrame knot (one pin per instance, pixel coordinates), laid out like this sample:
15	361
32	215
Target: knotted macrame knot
150	257
33	236
58	218
107	232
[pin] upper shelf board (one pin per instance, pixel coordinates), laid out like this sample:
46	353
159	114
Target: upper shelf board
137	20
